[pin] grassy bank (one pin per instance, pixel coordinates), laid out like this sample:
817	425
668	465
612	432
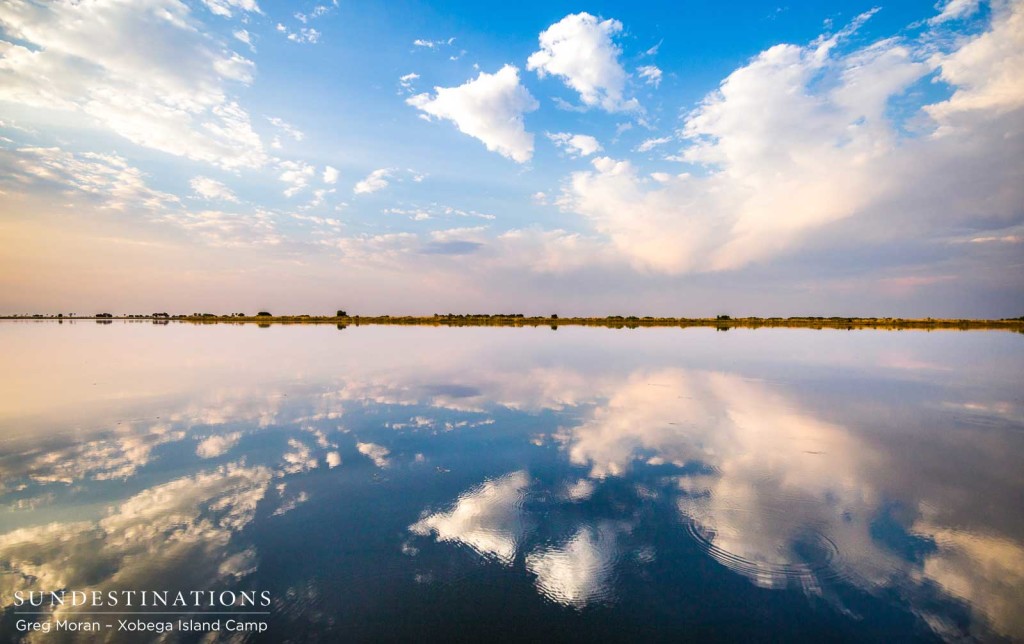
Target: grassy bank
617	322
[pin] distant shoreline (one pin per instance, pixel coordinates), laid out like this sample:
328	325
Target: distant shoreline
628	322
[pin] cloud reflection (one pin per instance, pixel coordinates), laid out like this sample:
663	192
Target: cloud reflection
578	571
789	479
177	533
487	518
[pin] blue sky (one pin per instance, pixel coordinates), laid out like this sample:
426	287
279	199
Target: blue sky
662	158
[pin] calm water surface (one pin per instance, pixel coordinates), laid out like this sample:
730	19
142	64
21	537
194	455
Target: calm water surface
390	483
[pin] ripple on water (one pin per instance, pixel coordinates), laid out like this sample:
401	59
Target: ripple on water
805	560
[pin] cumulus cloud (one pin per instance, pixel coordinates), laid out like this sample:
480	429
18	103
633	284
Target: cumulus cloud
376	180
579	49
577	145
212	190
297	174
167	91
330	174
987	71
489	108
801	137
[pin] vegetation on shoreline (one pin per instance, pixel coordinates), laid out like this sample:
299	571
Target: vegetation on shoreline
721	322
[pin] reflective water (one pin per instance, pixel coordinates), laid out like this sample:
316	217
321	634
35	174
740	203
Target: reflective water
579	484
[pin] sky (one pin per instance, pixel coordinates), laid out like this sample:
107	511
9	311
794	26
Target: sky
600	158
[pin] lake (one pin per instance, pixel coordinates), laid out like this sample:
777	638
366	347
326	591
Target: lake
578	484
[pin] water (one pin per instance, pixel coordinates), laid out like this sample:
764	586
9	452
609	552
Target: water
390	483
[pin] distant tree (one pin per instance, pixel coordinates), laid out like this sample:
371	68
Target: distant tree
342	313
554	316
263	314
723	317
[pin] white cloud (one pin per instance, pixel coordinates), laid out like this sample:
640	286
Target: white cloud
432	44
415	214
579	49
286	127
244	36
955	10
435	211
577	145
319	196
306	35
228	230
1005	239
489	108
107	178
226	8
458	212
330	174
376	180
212	190
167	91
297	174
650	144
405	82
801	138
318	11
987	71
650	74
